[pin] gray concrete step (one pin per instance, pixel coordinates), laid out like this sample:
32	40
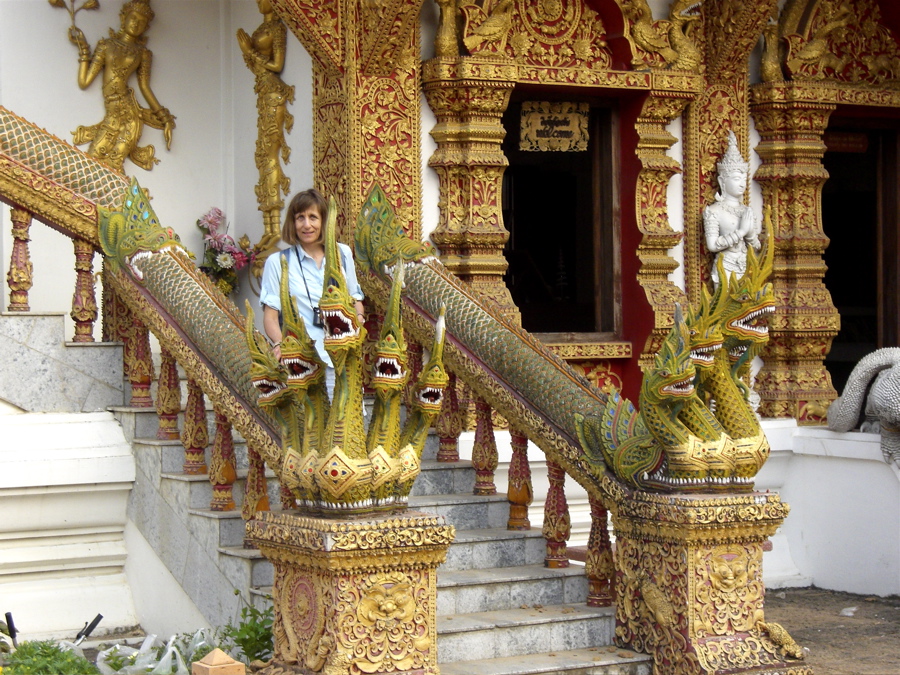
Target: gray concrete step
495	547
518	632
464	510
480	590
438	478
592	661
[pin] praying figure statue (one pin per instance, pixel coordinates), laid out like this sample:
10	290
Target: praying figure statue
118	57
729	224
264	53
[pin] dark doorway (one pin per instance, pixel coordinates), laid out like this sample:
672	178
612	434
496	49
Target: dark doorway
859	216
558	208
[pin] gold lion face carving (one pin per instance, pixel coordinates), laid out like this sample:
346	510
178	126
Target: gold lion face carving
728	569
387	602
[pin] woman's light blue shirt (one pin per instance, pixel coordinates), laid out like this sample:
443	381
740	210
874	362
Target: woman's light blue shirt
270	293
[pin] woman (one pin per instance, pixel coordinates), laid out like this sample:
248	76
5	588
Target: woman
303	230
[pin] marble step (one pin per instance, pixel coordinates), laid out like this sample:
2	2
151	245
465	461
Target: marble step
464	591
438	478
247	564
592	661
194	491
516	632
464	510
486	548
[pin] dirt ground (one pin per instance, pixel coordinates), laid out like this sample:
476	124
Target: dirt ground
867	642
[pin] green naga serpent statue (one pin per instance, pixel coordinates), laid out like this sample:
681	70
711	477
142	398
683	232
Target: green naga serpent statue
325	455
330	463
675	443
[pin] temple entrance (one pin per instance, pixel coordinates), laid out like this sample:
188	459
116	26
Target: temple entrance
860	217
558	208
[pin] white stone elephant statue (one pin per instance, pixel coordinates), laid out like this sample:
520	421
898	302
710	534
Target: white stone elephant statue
875	383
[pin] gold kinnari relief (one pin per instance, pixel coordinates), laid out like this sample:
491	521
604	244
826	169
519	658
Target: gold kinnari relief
264	53
117	58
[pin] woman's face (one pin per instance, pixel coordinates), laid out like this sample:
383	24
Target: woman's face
308	225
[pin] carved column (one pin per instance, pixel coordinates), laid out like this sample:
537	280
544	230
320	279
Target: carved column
222	471
20	275
366	102
449	424
794	381
599	567
138	360
468	97
168	397
557	523
195	436
519	491
484	453
256	495
657	236
84	300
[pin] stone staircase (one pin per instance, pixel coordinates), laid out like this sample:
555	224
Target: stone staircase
500	611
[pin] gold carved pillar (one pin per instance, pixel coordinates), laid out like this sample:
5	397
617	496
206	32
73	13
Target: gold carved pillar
469	96
794	381
689	586
657	236
354	596
366	93
20	275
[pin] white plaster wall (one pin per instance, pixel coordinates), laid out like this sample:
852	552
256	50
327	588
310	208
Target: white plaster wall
844	524
64	484
198	73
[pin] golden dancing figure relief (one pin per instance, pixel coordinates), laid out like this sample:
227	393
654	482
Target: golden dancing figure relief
118	57
264	55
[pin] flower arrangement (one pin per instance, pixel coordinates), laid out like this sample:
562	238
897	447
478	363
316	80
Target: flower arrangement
222	258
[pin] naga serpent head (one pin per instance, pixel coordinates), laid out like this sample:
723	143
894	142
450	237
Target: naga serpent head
134	233
298	350
671	379
381	242
343	332
267	375
705	333
428	394
389	374
743	304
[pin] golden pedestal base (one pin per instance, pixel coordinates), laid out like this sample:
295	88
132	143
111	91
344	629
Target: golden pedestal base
353	596
689	585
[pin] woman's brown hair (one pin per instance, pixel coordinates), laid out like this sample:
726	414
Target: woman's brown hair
301	202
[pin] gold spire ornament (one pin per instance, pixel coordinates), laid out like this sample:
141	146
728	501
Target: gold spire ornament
119	56
264	55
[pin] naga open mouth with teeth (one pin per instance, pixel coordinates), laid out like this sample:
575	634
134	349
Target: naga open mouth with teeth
754	324
683	387
299	369
339	326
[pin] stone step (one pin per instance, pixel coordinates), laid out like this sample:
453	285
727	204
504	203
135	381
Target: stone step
438	478
198	491
465	510
495	547
464	591
593	661
143	423
248	565
516	632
